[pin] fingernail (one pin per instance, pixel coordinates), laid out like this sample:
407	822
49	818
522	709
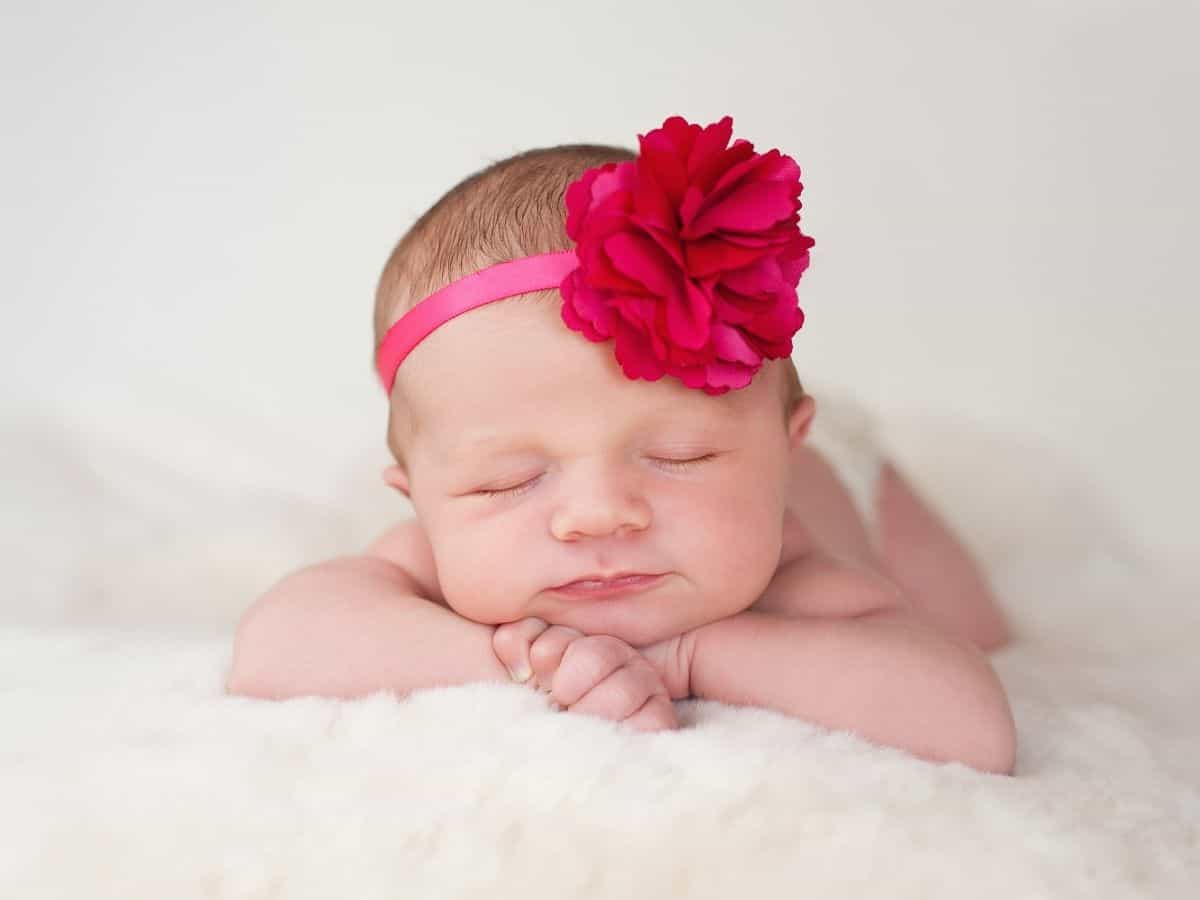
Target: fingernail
521	673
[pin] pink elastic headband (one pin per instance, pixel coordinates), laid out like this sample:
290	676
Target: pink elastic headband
687	258
506	279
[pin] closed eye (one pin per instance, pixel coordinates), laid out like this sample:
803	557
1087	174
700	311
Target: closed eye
685	463
674	463
511	491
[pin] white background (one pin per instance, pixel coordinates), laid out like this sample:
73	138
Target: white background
197	200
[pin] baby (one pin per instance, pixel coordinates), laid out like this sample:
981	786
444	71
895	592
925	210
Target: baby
596	418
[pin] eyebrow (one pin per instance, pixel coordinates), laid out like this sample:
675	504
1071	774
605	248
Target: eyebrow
493	444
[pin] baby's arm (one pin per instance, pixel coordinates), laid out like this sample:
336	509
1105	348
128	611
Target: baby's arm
352	626
817	584
884	676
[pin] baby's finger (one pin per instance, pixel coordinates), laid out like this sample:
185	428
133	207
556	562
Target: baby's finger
546	653
511	642
656	714
619	695
586	663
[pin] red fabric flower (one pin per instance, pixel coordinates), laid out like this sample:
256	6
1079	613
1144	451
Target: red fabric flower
689	256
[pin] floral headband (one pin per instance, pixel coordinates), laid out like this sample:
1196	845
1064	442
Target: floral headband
687	258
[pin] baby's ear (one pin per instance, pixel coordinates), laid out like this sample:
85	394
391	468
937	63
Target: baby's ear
800	420
397	478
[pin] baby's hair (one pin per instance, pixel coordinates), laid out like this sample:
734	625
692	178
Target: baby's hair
510	209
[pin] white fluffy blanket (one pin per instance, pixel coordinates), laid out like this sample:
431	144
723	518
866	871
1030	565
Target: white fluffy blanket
126	773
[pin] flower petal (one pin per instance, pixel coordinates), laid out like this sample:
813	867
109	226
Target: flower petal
793	259
635	356
640	259
708	146
711	255
750	207
689	207
584	310
688	316
710	174
729	375
652	207
668	241
731	346
660	156
761	278
689	257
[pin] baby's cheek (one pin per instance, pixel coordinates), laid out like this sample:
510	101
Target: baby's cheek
476	581
738	542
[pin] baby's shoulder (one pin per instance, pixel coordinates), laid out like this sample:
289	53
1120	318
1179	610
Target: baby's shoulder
820	584
406	545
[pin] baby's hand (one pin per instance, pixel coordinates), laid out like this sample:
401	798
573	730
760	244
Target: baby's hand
597	675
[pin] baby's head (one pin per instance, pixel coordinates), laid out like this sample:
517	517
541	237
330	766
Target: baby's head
534	462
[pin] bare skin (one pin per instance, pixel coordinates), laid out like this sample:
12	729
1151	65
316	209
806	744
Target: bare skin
918	550
929	570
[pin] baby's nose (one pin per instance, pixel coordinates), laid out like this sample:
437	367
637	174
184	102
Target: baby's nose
603	507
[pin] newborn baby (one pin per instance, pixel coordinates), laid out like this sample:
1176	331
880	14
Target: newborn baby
596	418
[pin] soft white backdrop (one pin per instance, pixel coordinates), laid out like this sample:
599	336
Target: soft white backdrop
197	201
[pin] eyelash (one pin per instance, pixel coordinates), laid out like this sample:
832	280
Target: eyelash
509	491
681	464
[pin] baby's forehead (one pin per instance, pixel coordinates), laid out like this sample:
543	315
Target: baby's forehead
580	423
514	367
500	436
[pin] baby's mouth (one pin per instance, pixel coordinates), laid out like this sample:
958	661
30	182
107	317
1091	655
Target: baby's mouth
594	587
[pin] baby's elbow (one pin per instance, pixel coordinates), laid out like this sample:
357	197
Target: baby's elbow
993	742
261	640
976	725
245	669
1005	745
237	684
994	749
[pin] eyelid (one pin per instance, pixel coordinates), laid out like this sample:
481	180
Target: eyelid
680	463
684	462
511	491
